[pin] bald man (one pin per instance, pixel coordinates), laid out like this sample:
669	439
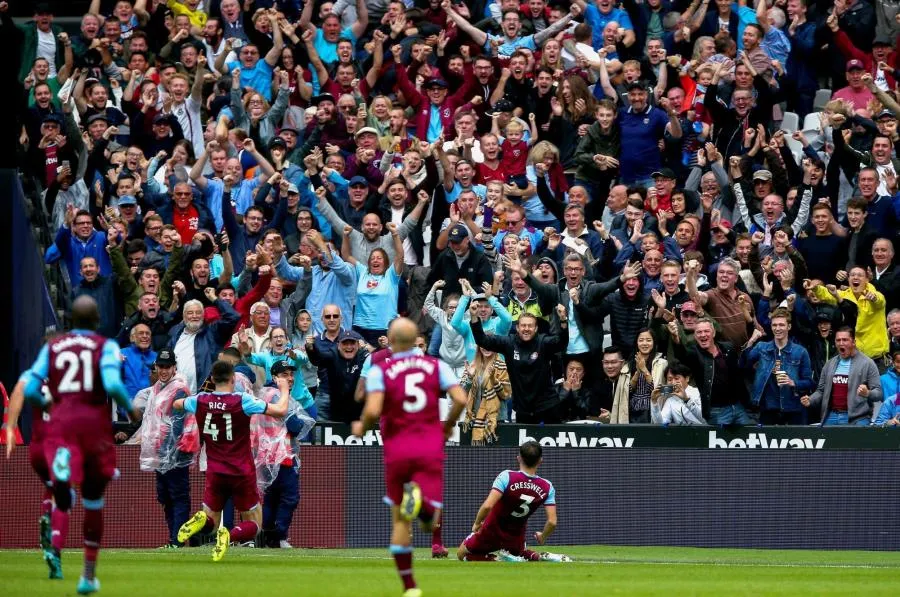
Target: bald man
404	388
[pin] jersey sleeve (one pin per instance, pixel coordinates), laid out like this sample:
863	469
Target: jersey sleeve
448	378
366	367
375	380
551	495
501	482
252	405
41	367
111	373
111	356
190	404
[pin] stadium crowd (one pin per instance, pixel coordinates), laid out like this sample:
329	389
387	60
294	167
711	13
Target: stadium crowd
626	212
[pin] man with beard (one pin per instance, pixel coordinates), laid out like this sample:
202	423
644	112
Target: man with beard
343	367
196	344
483	87
213	39
849	385
157	320
329	124
371	238
458	261
528	358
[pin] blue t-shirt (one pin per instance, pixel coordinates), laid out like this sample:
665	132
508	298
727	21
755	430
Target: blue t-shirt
479	189
259	77
598	21
328	50
640	156
508	48
250	404
376	298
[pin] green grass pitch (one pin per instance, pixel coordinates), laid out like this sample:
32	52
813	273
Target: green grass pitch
598	570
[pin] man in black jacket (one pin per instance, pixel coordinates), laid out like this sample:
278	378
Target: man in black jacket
457	261
158	320
528	359
714	365
343	367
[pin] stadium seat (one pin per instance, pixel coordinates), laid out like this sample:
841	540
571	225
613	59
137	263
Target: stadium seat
791	122
811	122
823	96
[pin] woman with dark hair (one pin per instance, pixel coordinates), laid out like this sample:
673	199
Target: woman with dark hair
573	112
486	382
298	84
377	287
678	401
648	366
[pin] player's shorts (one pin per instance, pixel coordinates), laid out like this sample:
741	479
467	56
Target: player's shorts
38	460
241	488
427	472
490	539
92	455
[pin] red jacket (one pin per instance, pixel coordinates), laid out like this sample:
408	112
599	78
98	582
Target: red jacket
842	41
422	104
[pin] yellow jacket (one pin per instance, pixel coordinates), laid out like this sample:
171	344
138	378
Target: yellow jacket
197	17
871	329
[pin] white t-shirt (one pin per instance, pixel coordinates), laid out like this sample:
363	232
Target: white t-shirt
47	49
188	115
409	256
184	355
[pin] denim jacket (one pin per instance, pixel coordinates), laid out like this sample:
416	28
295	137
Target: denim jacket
794	362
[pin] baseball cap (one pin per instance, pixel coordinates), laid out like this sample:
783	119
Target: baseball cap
54	117
689	307
855	65
435	82
42	8
99	116
725	225
162	119
639	84
282	366
292	188
762	175
322	97
364	130
458	233
290	129
504	105
358	180
127	200
277	142
885	114
663	173
882	40
166	358
349	335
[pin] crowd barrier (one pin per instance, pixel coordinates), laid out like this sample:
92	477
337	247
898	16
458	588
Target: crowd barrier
672	489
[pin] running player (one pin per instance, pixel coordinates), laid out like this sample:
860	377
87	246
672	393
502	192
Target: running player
224	420
404	388
503	517
39	419
81	368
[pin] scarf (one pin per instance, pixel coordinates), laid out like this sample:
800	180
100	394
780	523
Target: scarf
484	395
621	392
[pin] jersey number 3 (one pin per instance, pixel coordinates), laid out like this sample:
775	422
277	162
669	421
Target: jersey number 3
213	430
524	507
78	372
415	395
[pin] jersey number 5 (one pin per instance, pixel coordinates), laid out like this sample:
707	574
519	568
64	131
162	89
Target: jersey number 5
415	395
75	366
524	508
213	430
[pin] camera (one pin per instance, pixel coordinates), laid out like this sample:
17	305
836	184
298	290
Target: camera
667	390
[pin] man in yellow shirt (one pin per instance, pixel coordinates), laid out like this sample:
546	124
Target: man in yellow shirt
190	8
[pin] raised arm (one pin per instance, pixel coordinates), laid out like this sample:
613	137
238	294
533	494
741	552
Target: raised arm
274	55
477	35
197	87
362	19
398	247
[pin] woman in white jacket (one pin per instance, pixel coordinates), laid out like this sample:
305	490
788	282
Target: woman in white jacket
677	402
648	373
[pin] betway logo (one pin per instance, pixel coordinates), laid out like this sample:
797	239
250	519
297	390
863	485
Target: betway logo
330	438
570	439
759	440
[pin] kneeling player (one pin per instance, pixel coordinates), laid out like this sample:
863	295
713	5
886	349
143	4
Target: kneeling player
503	517
224	420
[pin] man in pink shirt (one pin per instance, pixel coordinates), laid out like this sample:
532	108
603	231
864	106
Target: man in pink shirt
856	91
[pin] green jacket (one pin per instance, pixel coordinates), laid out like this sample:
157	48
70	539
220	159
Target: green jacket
129	287
30	47
595	142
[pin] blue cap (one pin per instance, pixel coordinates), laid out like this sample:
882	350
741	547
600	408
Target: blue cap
347	335
126	200
358	180
458	233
